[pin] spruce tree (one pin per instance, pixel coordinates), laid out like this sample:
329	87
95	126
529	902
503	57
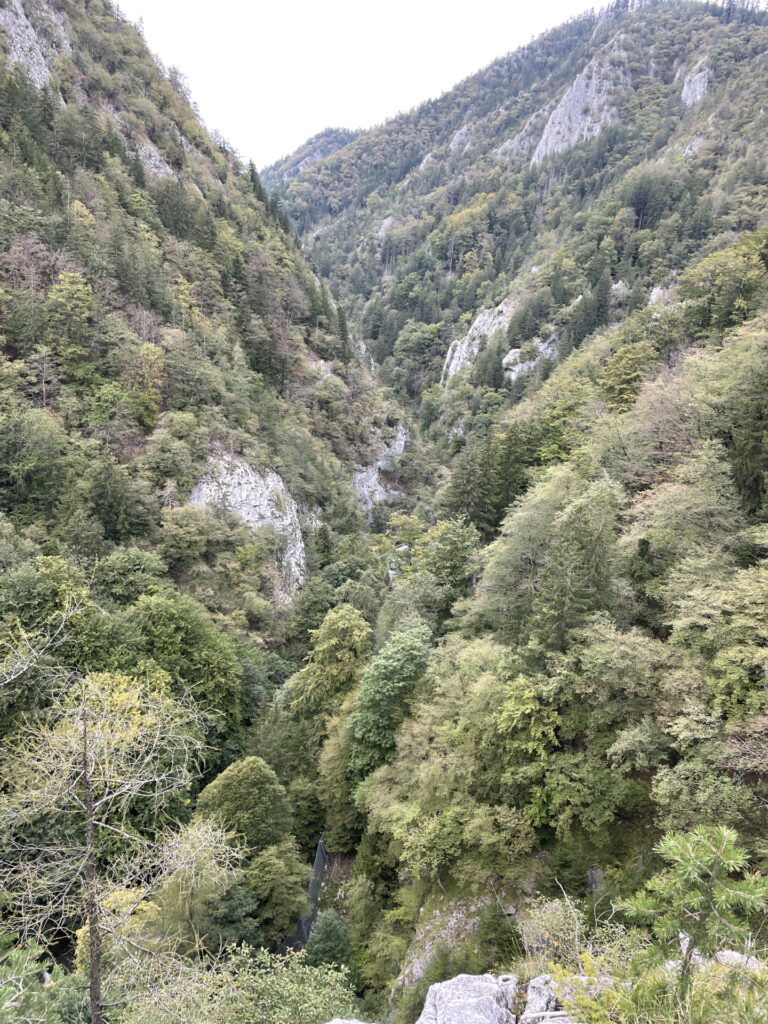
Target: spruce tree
256	187
329	941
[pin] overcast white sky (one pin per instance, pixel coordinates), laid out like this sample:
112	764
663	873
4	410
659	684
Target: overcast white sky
268	75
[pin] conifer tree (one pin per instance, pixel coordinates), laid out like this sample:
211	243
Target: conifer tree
70	309
381	704
705	900
335	662
256	185
329	941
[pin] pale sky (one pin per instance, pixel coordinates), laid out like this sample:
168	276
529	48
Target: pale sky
270	75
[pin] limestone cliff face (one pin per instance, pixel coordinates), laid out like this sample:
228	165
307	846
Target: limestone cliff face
461	139
464	350
696	83
260	499
369	483
524	142
33	35
587	107
515	367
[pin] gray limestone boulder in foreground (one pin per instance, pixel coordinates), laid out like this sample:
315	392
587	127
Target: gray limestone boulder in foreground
471	999
543	1005
542	1000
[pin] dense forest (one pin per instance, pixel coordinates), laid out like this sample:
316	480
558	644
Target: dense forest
400	510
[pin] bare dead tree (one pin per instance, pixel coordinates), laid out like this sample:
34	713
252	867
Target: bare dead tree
74	775
23	651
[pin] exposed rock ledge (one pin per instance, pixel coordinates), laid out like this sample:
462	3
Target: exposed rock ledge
260	499
586	107
490	999
369	483
464	350
34	45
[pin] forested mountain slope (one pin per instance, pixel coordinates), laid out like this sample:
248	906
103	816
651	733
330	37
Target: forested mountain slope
183	413
595	162
561	265
157	315
480	599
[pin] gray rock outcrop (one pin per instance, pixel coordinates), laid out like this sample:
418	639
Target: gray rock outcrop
739	961
386	224
586	108
725	958
541	1000
369	483
153	160
543	1003
514	367
658	295
471	999
463	351
451	923
34	41
523	144
260	499
696	83
461	138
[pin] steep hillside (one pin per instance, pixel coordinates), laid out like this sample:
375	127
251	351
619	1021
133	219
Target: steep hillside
560	188
449	578
184	413
160	325
561	266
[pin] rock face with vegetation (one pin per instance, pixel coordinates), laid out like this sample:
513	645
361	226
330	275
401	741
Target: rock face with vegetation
260	500
587	107
34	37
418	504
369	482
463	352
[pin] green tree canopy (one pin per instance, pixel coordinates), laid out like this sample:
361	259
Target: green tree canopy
334	664
381	704
248	800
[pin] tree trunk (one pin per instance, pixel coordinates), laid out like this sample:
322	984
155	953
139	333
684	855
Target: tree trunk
92	906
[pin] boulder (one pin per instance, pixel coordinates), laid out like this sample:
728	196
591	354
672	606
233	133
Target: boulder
543	1002
471	999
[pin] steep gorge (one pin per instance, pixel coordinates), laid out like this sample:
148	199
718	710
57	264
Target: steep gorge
442	519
